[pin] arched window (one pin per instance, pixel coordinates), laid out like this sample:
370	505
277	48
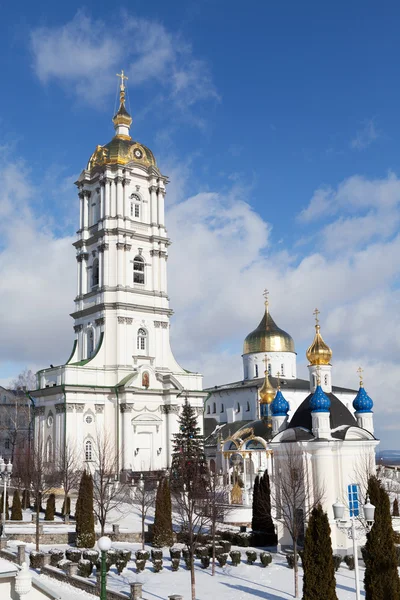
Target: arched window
222	408
90	343
88	450
269	369
214	408
49	449
208	409
95	272
326	379
138	269
248	406
135	207
282	369
141	339
256	371
238	407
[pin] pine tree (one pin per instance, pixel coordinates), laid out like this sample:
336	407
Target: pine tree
84	515
318	566
16	510
395	512
381	580
162	531
255	521
266	523
50	508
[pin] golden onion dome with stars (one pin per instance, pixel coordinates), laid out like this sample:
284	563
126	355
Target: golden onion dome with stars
268	337
122	149
319	352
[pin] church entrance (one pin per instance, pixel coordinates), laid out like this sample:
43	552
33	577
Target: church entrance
143	451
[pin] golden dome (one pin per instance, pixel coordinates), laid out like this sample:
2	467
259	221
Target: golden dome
268	337
319	353
266	392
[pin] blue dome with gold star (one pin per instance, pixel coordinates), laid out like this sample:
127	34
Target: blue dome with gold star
279	405
319	401
362	403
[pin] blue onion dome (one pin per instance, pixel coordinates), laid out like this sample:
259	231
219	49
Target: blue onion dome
279	406
362	403
319	401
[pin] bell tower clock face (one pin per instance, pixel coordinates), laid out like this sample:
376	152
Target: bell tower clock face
138	153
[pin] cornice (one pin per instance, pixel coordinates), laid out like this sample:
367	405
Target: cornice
104	306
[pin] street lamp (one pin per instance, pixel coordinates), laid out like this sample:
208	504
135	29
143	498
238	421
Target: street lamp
5	473
104	545
355	530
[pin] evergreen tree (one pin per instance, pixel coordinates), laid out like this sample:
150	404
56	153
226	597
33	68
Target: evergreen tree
188	460
16	510
255	521
162	531
50	508
318	566
381	580
395	512
84	515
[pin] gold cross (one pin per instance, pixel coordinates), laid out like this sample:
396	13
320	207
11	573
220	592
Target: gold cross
316	313
266	294
360	371
122	76
278	375
266	361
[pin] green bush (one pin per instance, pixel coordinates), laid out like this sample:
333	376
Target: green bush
185	554
349	561
397	548
243	539
201	551
290	559
156	555
91	555
142	555
219	549
36	559
175	563
124	554
16	509
55	556
158	565
73	555
140	564
337	560
85	568
265	558
120	565
84	515
235	557
364	553
222	559
175	553
226	545
63	564
112	555
50	508
205	562
251	557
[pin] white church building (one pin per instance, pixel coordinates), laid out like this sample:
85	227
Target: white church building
121	376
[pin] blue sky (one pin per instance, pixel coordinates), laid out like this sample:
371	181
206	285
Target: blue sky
278	126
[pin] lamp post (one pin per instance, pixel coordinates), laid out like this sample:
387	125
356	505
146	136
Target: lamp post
355	530
104	544
5	473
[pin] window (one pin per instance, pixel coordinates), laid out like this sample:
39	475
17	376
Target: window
326	379
238	407
138	269
214	408
49	449
135	206
222	408
269	369
208	409
248	407
141	339
88	450
89	419
90	343
7	444
256	371
95	272
282	369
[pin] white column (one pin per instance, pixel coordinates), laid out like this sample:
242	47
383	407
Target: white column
127	436
128	270
79	275
107	198
125	184
120	196
106	257
113	199
153	205
84	274
81	210
101	273
120	263
102	213
160	201
85	210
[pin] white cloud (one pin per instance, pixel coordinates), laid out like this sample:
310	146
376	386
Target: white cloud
84	54
365	136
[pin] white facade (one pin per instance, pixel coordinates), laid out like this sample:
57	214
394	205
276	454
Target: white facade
283	363
121	377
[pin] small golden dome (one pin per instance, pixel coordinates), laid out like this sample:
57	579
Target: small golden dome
266	392
268	337
319	353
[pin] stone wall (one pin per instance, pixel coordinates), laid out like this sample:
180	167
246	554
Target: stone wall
81	583
70	537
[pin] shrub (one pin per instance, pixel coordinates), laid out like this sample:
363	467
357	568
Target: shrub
142	555
265	558
91	555
158	565
222	559
364	553
36	559
251	556
85	536
85	567
397	548
162	530
243	539
349	561
226	545
112	555
124	554
55	556
63	564
108	564
156	555
205	562
337	560
16	509
290	559
175	563
185	554
73	555
175	553
210	550
140	564
120	565
50	508
201	551
235	557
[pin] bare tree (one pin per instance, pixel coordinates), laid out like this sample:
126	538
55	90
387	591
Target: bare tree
25	381
364	469
143	499
108	492
218	508
69	469
294	495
